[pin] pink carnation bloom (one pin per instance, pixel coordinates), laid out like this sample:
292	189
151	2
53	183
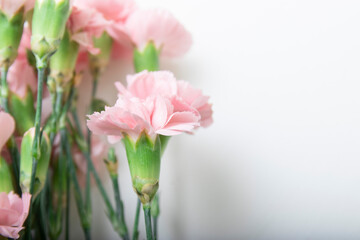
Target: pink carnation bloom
160	27
85	23
7	124
150	103
13	213
112	15
163	83
11	7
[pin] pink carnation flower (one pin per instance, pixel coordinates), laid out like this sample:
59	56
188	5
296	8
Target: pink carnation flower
11	7
85	23
112	15
7	124
163	83
153	103
146	107
13	213
160	27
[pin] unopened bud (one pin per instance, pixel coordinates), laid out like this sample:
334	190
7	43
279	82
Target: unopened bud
26	162
6	184
11	29
99	61
48	25
22	109
62	63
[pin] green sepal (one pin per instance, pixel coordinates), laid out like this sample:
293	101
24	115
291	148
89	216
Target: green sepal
26	161
144	158
62	63
164	142
10	31
31	58
148	59
48	25
6	178
98	105
155	209
99	61
23	111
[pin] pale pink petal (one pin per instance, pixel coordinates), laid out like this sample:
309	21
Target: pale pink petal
21	77
113	14
10	7
13	213
160	27
146	84
10	232
7	124
179	122
85	41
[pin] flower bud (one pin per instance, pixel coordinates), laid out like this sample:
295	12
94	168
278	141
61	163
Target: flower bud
27	160
99	61
6	184
112	163
62	63
155	209
48	25
148	59
144	163
23	111
11	29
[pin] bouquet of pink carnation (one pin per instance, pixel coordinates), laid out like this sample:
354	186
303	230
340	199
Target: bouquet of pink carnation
45	46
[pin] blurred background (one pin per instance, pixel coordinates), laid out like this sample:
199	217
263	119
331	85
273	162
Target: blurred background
282	159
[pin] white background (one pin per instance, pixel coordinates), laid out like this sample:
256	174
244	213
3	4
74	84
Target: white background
282	159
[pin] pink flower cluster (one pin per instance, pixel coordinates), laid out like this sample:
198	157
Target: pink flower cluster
154	102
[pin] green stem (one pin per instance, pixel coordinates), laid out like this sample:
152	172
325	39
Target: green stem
147	215
99	184
93	93
85	221
67	213
119	207
56	112
155	220
4	89
136	223
36	144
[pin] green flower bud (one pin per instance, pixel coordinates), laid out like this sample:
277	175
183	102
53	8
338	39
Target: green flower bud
112	163
99	62
148	59
62	63
6	184
144	162
27	160
23	111
48	26
155	209
11	29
